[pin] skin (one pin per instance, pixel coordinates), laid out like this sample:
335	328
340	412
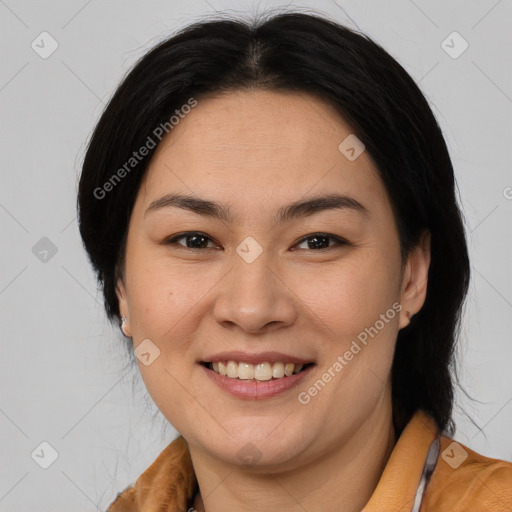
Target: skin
257	151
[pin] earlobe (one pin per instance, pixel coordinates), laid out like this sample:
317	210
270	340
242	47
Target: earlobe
123	307
415	279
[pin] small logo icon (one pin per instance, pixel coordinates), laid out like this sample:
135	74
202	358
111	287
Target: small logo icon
44	455
44	250
351	147
454	455
44	45
249	249
249	454
454	45
147	352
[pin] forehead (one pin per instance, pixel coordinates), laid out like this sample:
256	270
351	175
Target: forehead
259	145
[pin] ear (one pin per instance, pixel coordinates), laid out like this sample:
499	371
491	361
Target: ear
415	279
123	306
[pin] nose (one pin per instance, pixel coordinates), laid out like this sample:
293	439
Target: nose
255	298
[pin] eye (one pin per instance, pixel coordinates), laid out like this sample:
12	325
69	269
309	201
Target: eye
320	241
198	240
195	240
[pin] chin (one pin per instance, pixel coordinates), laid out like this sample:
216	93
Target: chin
258	442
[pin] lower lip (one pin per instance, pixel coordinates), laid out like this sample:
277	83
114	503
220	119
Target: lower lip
254	388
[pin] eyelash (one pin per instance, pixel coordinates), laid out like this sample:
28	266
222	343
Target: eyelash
339	241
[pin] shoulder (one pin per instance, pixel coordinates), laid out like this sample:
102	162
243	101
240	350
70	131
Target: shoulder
465	481
169	481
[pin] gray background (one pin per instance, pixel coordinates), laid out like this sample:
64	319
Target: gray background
63	374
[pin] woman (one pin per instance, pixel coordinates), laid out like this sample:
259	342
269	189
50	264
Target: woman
270	209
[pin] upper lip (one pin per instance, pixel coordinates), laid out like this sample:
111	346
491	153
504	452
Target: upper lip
255	358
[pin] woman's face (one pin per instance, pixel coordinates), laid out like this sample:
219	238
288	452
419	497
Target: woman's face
264	284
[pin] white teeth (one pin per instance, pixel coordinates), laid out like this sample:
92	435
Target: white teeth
232	370
262	371
278	370
245	371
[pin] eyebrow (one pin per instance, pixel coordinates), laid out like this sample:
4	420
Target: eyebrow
297	209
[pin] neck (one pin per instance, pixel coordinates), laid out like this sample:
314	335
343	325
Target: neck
341	480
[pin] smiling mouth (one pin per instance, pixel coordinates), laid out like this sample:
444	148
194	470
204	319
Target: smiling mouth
264	371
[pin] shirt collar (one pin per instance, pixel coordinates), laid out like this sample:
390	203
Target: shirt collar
399	481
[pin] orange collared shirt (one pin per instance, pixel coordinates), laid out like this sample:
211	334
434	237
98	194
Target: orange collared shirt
460	480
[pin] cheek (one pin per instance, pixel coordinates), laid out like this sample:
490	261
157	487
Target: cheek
349	296
166	381
164	306
356	305
162	295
